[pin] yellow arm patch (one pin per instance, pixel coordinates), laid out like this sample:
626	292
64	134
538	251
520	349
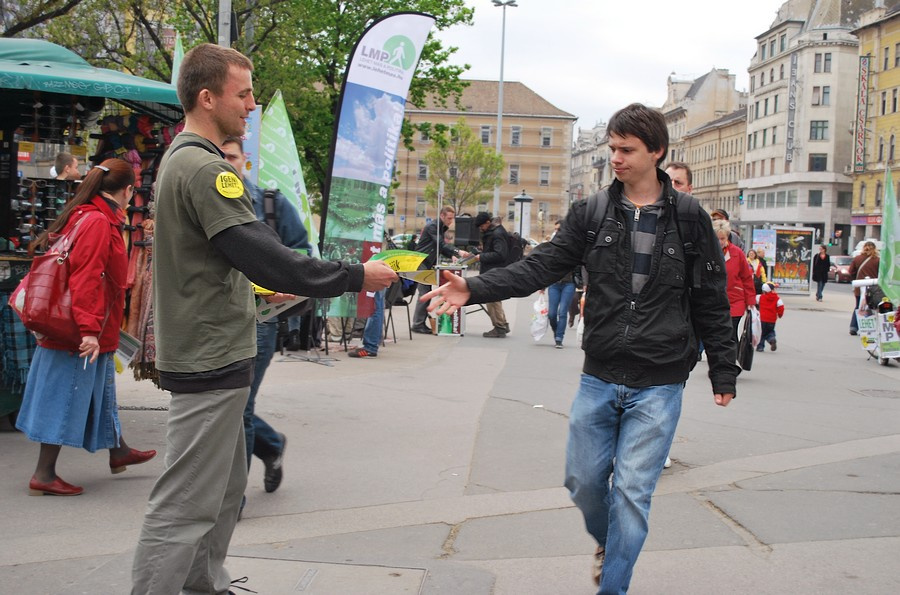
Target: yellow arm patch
229	185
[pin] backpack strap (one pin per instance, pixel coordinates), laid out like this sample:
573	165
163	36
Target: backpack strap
269	208
687	217
596	213
192	143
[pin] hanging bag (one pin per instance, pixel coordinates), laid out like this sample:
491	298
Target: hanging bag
43	300
745	345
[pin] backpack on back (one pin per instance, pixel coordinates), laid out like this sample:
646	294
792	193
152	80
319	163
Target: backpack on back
514	248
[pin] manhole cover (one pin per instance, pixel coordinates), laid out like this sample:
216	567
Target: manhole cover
881	394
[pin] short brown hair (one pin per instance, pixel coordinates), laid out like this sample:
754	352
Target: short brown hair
448	209
62	160
684	167
645	123
206	67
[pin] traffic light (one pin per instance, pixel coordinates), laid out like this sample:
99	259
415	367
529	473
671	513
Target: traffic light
740	197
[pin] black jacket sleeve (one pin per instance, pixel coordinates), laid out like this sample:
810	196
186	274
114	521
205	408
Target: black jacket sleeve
496	249
711	313
256	250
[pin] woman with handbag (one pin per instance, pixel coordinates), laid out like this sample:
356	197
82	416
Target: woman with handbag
70	394
741	293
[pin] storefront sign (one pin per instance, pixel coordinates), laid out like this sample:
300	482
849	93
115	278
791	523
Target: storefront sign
792	108
865	220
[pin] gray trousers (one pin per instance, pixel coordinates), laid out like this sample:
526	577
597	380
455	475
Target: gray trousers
194	505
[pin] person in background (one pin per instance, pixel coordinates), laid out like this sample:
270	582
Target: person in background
70	394
758	270
493	255
741	293
863	266
208	248
374	329
629	399
66	167
413	240
682	178
820	270
261	438
734	237
771	308
428	243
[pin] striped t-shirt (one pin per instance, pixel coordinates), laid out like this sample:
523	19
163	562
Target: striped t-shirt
642	226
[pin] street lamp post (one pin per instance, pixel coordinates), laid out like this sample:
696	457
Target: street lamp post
504	4
524	203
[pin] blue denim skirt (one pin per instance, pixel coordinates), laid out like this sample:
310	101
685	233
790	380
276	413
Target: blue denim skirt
66	404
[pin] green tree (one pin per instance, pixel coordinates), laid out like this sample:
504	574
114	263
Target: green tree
25	15
467	167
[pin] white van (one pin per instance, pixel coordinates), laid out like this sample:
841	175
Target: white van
878	244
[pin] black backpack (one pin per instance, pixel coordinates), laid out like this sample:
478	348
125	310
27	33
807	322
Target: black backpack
514	248
687	216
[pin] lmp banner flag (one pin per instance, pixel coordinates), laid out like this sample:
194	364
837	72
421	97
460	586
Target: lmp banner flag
279	163
364	145
889	269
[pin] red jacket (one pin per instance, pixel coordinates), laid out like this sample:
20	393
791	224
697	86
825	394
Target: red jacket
741	293
771	308
97	271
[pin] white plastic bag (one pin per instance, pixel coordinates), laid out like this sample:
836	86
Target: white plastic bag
539	320
756	326
579	331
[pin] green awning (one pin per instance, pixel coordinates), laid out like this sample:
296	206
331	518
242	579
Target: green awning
38	65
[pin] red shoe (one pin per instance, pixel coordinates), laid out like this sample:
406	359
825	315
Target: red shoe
57	487
134	457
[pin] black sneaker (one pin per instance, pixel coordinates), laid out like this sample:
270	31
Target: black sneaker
495	333
422	330
274	470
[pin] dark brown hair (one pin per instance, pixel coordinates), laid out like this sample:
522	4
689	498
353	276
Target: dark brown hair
206	67
645	123
683	166
119	175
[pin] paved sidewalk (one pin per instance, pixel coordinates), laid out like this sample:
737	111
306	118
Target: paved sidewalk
437	468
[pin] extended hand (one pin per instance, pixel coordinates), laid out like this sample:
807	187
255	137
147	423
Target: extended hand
278	298
450	296
378	275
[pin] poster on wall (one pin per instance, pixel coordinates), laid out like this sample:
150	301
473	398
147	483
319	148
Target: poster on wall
793	259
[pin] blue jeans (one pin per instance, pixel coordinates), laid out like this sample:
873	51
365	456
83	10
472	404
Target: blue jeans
820	286
559	296
374	325
262	439
634	426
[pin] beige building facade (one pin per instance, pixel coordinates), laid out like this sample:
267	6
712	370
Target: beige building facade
587	172
715	154
536	143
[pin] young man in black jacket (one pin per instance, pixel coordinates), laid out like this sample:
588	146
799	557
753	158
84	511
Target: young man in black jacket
643	313
495	250
428	243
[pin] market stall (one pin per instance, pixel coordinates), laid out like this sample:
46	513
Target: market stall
53	101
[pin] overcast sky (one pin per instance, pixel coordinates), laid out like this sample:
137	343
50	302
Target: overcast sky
592	57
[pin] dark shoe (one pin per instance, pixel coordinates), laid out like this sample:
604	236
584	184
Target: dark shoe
361	352
495	333
559	345
853	331
760	349
274	470
422	330
504	328
57	487
134	457
599	556
774	345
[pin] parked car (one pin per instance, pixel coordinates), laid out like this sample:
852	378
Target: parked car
401	239
840	268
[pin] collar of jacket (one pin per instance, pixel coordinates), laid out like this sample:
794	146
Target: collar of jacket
617	188
116	217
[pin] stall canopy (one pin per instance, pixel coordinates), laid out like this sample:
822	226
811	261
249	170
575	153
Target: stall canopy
38	65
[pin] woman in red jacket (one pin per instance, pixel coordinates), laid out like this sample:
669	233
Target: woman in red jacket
741	293
70	395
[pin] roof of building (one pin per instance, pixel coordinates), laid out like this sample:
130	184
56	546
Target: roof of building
480	97
738	114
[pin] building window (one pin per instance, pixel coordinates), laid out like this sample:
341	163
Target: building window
544	178
546	136
896	55
756	109
771	48
880	148
894	101
774	128
755	139
485	135
826	95
887	58
781	199
818	162
844	199
817	95
891	148
511	210
770	200
883	102
818	130
783	41
762	53
514	173
792	198
862	194
771	75
424	137
420	206
423	170
765	136
515	138
878	189
826	61
762	78
766	108
752	83
817	64
775	109
815	198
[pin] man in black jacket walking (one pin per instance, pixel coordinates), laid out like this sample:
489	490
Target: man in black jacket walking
643	313
494	254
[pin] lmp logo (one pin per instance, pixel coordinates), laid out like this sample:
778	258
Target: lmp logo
398	51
